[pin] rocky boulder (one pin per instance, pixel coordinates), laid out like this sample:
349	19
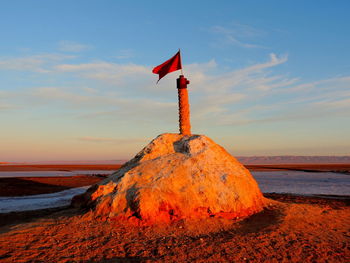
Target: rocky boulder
176	177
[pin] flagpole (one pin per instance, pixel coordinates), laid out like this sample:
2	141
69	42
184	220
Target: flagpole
184	106
171	65
181	62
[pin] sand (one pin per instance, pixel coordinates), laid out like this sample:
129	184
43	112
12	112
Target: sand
299	230
293	229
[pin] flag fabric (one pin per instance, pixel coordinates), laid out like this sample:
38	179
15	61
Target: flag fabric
168	66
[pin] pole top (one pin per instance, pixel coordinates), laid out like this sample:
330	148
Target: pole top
182	82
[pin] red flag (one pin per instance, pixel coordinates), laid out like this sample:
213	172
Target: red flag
168	66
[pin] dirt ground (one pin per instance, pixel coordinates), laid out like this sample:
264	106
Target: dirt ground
295	229
292	229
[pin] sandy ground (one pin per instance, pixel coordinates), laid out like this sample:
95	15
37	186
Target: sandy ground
292	229
297	229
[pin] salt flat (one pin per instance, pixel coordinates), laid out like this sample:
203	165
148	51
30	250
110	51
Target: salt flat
293	182
304	183
35	202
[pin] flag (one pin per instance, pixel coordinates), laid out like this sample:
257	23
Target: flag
168	66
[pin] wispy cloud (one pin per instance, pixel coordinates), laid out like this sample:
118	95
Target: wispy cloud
323	83
6	96
106	71
50	94
325	98
71	46
6	107
222	93
255	94
237	35
127	93
343	103
125	54
101	104
37	63
111	140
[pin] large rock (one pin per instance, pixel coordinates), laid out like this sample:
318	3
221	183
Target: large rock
177	177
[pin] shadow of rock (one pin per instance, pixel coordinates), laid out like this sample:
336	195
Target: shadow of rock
338	202
7	220
127	259
263	221
26	186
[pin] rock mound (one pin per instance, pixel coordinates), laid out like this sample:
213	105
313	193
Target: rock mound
176	177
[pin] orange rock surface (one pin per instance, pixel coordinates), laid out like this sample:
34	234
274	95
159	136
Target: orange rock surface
176	177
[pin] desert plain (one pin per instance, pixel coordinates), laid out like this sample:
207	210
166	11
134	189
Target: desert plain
292	228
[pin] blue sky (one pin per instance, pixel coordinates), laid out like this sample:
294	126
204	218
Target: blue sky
267	77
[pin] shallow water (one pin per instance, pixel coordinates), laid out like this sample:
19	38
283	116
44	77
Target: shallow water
299	182
34	202
294	182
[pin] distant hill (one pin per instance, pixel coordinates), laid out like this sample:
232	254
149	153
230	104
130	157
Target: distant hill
285	159
288	159
74	162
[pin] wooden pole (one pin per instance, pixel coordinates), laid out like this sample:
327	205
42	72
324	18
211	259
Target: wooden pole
184	106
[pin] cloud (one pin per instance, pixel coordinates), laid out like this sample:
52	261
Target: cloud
340	103
103	67
6	107
135	111
274	61
50	94
125	54
101	105
90	90
251	76
112	140
323	84
96	103
37	63
255	94
71	46
127	93
220	93
236	35
134	95
106	71
327	98
8	97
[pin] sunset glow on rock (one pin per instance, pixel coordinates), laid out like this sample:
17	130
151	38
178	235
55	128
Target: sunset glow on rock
177	177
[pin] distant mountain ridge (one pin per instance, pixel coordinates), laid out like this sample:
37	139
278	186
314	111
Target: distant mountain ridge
283	159
290	159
